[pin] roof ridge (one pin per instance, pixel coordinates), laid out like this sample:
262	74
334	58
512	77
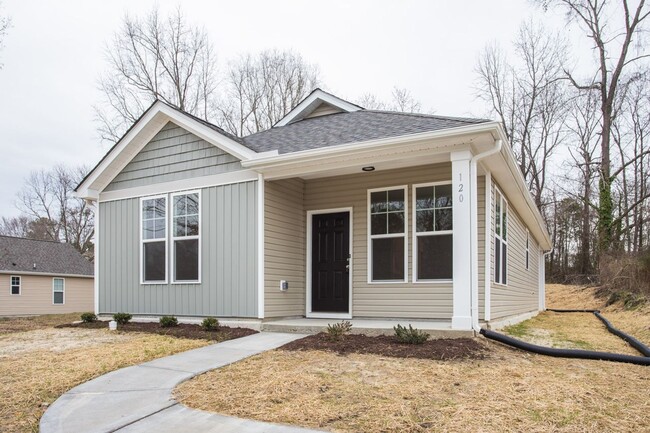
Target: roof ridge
35	240
432	116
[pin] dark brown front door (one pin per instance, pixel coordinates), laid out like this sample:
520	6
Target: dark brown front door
330	283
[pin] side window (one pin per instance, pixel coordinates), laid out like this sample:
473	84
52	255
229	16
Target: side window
387	227
527	248
154	240
500	238
432	232
58	291
185	236
15	285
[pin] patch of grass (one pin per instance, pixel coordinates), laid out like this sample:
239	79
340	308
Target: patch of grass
9	325
518	329
31	378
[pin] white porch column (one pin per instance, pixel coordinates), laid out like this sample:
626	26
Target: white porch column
462	282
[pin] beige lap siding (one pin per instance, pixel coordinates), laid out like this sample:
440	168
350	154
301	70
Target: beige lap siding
399	300
521	294
284	248
36	296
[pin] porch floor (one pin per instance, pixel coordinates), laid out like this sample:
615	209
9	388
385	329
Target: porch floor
436	328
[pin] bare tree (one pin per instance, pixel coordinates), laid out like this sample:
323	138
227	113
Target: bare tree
261	89
155	58
46	200
401	100
528	98
616	30
5	23
17	226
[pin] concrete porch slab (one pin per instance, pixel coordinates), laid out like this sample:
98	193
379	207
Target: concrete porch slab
435	328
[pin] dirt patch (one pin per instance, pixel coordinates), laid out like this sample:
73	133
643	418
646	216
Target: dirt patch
384	345
9	325
183	330
57	340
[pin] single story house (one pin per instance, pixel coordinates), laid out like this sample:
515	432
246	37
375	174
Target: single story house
334	212
43	277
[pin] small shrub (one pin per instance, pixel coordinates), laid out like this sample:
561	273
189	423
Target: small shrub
337	330
168	321
410	335
210	324
88	317
122	318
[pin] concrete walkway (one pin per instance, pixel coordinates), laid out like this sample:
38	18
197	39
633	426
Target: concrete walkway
139	398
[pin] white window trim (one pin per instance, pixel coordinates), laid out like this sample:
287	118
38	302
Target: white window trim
11	285
391	235
53	280
143	241
503	202
415	235
173	238
527	257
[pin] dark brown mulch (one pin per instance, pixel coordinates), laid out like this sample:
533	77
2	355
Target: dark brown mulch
183	330
385	345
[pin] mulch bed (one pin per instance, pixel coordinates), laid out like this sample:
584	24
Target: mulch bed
385	345
183	330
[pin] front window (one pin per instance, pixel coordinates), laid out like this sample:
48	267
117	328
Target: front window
15	285
387	226
154	240
58	290
432	231
500	238
186	236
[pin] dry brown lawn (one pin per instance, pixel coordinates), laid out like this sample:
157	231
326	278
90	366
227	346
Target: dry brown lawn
40	364
509	391
10	325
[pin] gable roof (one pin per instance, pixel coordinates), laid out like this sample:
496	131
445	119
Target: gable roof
312	102
44	257
342	128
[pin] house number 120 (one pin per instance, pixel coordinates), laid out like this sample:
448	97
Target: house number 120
460	187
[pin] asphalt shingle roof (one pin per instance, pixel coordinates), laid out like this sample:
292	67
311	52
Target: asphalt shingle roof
342	128
20	255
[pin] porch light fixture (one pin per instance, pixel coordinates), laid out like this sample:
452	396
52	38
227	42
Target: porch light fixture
368	168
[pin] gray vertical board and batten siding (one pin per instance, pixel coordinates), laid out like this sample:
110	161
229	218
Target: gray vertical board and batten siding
173	154
228	230
228	285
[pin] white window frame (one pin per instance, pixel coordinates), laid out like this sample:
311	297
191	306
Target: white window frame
173	238
415	234
500	198
11	285
388	235
143	241
527	258
53	280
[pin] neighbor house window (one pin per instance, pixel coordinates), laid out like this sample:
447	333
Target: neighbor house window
15	285
527	247
500	238
185	236
432	232
387	227
154	239
58	291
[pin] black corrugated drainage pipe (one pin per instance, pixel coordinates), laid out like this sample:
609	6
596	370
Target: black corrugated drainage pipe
576	353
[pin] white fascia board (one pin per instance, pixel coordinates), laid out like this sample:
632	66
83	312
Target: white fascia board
44	274
150	124
305	107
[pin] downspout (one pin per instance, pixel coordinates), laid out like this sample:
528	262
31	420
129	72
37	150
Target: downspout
474	228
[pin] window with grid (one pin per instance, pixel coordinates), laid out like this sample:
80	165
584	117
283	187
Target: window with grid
500	238
433	232
58	290
15	285
387	252
154	240
185	236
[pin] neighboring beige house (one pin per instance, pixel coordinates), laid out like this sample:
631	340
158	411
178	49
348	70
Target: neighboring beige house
335	212
43	277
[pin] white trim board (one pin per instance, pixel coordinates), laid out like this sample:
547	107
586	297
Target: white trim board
43	274
308	294
260	246
312	102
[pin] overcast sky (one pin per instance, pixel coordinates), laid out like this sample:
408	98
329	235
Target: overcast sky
54	54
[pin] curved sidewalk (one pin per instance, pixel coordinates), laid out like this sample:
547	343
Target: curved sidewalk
139	398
